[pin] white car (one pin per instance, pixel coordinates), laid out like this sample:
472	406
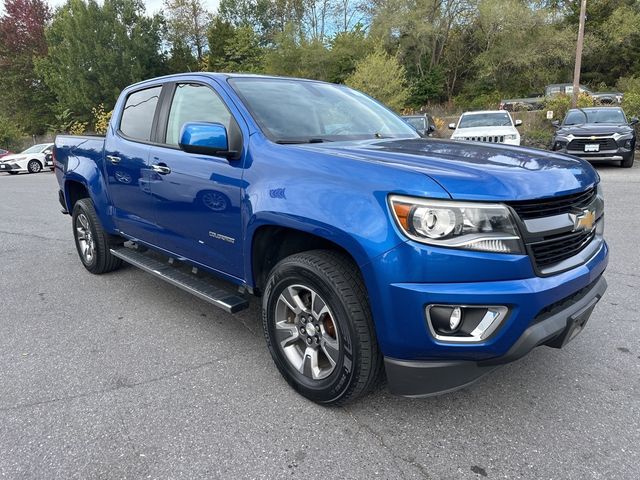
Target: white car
32	160
494	126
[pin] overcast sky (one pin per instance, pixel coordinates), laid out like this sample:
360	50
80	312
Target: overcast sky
152	5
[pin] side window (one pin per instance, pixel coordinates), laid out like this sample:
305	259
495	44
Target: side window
137	117
194	103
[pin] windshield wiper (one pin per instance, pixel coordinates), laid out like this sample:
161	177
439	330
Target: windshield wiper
285	141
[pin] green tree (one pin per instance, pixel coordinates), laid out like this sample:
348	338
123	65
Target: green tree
10	133
234	49
381	76
95	50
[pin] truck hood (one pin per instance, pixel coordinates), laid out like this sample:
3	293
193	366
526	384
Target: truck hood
474	171
484	131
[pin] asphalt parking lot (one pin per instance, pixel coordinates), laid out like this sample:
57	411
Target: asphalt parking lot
123	376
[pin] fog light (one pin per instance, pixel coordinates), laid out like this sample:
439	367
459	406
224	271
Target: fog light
455	319
464	323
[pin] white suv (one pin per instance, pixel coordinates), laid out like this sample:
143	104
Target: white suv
495	126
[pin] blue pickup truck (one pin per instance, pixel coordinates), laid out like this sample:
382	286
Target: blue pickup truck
374	251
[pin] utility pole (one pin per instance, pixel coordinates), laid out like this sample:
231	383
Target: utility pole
576	72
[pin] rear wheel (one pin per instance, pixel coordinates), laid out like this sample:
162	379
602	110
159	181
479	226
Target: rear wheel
92	242
34	166
318	326
628	162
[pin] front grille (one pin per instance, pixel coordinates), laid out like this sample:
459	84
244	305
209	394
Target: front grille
577	144
548	207
490	139
561	247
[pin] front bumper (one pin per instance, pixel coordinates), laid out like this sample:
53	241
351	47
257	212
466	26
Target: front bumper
554	327
9	167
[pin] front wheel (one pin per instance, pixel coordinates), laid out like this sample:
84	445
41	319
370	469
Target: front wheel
318	327
92	242
34	166
628	162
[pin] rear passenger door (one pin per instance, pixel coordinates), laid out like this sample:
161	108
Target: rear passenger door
126	165
198	196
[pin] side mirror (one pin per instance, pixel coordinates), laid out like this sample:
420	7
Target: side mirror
431	129
452	126
634	120
518	123
556	124
205	138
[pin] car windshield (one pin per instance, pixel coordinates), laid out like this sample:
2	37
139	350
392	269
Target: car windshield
485	120
36	148
603	115
416	122
300	111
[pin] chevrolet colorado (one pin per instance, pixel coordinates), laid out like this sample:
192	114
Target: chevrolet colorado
373	250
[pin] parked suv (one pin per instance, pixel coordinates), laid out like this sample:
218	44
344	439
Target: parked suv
423	123
596	134
495	126
371	248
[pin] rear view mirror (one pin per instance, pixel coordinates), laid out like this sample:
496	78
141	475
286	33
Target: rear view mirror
205	138
452	126
517	123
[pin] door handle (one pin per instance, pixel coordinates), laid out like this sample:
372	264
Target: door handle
113	159
161	169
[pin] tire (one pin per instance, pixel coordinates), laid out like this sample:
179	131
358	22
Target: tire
34	166
12	173
628	162
92	242
342	331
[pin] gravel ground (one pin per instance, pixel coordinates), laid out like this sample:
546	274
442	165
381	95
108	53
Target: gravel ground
124	376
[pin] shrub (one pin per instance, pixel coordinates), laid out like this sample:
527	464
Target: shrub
78	128
101	119
560	104
10	134
631	103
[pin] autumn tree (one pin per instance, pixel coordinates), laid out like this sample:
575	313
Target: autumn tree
23	95
383	77
187	22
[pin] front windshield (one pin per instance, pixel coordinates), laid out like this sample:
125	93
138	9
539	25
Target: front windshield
485	120
35	149
416	122
293	111
604	115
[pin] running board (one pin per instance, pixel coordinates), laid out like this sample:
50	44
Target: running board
200	287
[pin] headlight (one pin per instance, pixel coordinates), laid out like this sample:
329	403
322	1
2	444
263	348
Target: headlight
17	159
471	226
511	137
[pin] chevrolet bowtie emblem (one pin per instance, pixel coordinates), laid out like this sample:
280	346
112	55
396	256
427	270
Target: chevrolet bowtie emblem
584	220
593	138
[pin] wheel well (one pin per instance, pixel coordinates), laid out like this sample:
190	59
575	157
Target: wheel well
271	244
34	160
76	191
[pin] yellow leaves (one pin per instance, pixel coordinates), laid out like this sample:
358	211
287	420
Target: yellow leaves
101	119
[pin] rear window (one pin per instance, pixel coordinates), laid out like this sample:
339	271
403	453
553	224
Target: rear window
137	117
